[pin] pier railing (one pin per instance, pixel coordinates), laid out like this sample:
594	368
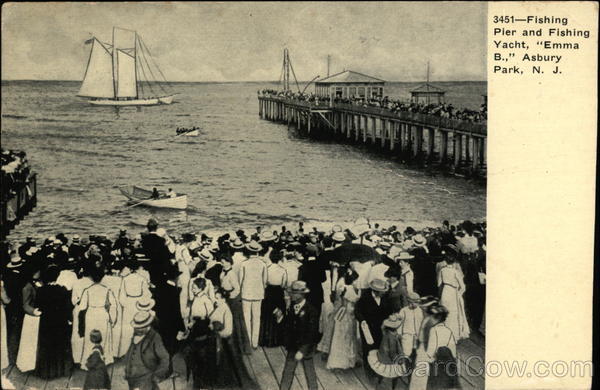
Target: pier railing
418	118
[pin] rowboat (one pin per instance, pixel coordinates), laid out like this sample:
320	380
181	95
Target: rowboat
189	133
143	197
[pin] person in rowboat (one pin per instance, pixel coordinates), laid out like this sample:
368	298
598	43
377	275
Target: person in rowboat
171	193
155	194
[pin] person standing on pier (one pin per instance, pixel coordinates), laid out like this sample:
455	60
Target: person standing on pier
147	360
253	281
156	249
301	332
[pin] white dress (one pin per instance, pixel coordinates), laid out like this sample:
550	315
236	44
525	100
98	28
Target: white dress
113	282
101	312
133	288
343	352
451	298
77	342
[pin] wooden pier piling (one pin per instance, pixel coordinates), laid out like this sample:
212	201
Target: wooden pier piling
454	145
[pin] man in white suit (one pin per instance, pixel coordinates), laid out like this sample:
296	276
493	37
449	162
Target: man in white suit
253	281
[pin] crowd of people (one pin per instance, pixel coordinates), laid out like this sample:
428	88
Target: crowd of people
15	172
386	298
442	110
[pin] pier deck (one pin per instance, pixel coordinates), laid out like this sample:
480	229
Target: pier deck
266	364
457	145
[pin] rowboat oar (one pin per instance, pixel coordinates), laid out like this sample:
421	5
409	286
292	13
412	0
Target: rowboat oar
137	204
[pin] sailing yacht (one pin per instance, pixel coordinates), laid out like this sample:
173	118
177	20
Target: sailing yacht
123	74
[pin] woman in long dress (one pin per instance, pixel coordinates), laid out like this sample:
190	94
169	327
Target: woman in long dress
27	355
113	281
328	322
230	369
101	313
133	287
54	358
451	284
231	284
79	287
343	352
440	347
271	331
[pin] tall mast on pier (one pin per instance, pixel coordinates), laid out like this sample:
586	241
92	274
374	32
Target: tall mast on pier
284	78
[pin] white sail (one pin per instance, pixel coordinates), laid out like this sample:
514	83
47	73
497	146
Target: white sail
126	77
98	79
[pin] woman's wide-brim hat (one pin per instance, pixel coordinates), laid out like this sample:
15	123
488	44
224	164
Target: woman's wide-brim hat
378	285
142	319
298	286
145	304
267	236
254	246
413	297
419	240
338	237
237	244
450	250
392	322
403	256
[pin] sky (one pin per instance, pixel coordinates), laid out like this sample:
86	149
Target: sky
244	41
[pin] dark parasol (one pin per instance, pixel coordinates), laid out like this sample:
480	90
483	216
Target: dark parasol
346	253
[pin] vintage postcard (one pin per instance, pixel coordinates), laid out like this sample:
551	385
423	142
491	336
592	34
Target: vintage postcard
303	195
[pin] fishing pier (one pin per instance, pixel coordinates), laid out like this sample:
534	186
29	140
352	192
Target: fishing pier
340	110
457	145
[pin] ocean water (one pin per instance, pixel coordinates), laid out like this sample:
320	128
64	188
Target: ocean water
240	172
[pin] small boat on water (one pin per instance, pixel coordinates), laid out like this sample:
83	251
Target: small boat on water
193	132
123	73
143	197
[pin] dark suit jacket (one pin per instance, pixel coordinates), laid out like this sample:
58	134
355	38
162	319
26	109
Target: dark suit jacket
155	249
168	310
367	309
301	332
154	357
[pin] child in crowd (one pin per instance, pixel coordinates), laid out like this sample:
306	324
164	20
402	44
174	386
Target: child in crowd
97	376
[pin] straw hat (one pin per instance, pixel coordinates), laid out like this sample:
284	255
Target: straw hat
254	246
267	236
393	321
145	304
385	245
403	256
379	285
419	240
15	260
142	319
237	244
298	286
413	297
338	237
